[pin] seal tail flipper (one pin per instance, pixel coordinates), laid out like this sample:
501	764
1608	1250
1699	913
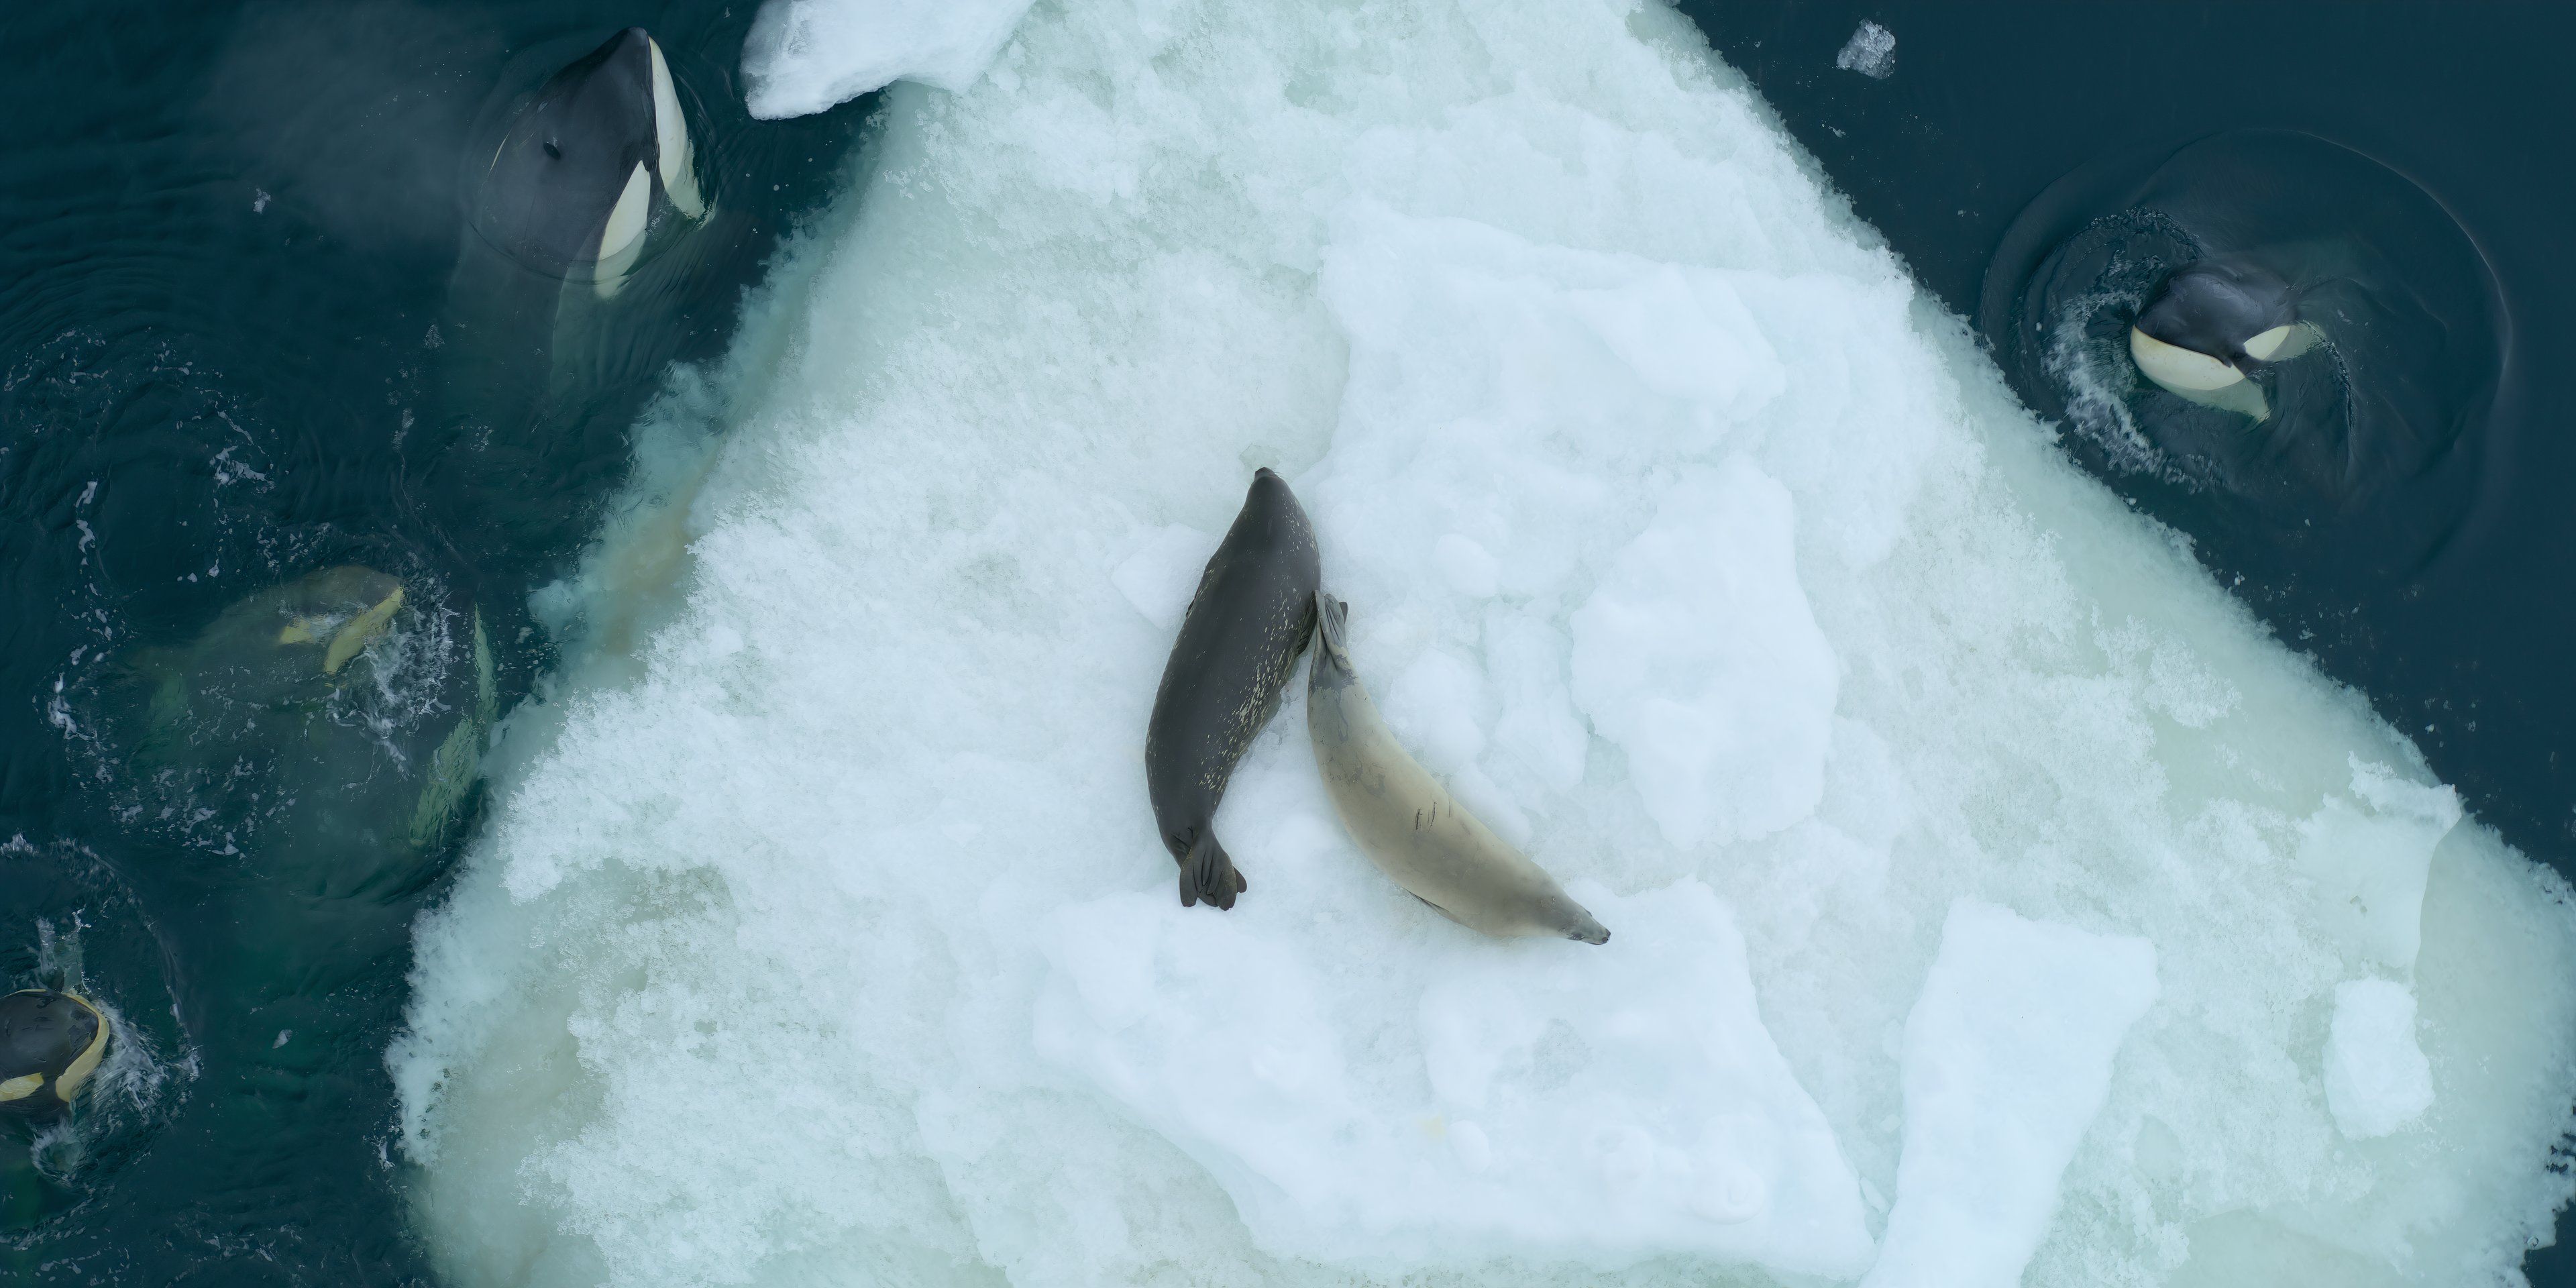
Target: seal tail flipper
1332	627
1207	874
1332	617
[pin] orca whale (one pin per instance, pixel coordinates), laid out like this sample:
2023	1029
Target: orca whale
50	1043
588	220
591	182
2207	327
591	164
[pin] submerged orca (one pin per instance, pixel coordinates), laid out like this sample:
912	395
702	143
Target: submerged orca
335	685
2208	323
590	161
50	1044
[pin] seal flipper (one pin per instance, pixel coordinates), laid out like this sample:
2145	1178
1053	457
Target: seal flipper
1332	619
1207	874
1454	917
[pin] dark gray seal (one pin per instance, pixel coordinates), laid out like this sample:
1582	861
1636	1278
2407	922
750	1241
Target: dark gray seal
50	1043
1409	825
1253	612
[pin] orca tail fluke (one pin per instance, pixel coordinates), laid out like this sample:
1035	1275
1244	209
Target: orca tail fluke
1208	876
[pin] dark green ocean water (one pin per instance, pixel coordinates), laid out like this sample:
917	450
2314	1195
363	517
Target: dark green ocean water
229	358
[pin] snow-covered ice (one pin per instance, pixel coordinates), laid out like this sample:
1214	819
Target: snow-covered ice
2377	1080
806	55
1565	1100
820	933
1163	573
2007	1061
1710	673
2370	853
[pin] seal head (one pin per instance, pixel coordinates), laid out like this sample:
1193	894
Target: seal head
1251	617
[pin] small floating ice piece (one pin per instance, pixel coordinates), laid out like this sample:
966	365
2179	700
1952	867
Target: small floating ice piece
1871	51
2377	1080
2007	1059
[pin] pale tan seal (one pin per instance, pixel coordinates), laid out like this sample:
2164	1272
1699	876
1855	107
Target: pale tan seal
1408	824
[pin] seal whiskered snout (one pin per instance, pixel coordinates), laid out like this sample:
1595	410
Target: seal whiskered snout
1584	927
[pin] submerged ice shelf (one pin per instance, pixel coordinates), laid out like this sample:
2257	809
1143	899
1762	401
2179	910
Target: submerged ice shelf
1950	824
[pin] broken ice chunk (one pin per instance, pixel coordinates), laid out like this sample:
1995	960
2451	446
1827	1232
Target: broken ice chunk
1601	1106
2370	855
2377	1080
1871	51
2007	1059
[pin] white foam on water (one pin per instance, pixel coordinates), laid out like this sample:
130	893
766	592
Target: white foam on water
821	933
803	56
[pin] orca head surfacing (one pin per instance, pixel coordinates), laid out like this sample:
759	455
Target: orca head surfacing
594	160
50	1044
2209	325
